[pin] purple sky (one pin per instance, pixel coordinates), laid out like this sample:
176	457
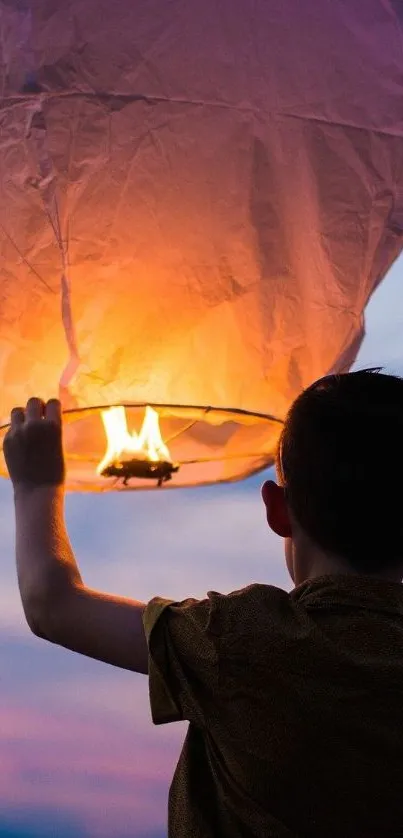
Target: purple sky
79	755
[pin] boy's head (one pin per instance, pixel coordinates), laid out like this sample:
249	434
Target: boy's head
340	469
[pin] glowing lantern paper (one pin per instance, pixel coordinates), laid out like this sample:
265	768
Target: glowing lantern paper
197	200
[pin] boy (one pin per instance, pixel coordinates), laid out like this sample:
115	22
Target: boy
294	700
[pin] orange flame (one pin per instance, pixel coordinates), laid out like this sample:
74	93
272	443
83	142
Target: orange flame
123	445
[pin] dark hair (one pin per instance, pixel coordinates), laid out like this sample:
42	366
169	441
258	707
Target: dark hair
337	436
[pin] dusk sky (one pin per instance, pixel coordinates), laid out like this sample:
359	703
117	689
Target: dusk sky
79	754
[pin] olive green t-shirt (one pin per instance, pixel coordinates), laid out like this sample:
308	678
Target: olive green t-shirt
295	709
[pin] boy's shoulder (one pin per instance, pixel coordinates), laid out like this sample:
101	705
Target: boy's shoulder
255	608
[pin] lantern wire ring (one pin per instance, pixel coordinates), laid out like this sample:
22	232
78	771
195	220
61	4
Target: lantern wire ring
202	408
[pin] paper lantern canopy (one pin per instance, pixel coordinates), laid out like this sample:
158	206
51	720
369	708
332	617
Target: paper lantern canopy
197	201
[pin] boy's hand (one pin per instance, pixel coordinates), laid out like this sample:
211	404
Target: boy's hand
33	446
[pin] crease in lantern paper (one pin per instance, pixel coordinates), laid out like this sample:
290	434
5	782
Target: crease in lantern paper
46	183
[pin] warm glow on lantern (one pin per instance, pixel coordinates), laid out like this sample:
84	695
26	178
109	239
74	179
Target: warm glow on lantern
129	454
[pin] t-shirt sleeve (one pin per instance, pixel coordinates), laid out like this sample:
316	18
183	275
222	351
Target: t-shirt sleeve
183	642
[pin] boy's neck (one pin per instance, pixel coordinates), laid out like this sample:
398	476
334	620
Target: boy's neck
315	563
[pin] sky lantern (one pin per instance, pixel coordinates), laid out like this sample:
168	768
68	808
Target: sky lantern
197	200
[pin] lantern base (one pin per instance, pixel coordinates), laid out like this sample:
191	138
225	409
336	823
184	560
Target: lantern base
208	445
141	469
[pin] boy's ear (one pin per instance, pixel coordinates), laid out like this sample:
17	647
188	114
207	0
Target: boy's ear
277	514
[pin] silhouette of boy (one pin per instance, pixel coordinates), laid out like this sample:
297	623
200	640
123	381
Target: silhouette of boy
294	700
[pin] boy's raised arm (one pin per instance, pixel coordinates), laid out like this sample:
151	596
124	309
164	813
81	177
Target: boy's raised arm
57	605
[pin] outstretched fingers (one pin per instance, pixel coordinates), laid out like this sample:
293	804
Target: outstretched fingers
53	411
17	417
34	410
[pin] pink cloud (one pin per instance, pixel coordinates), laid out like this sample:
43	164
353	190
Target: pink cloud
110	778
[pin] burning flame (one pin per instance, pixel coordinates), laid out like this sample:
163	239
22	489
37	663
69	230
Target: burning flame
123	445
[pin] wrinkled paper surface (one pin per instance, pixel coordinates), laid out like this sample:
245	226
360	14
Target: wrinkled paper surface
196	202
